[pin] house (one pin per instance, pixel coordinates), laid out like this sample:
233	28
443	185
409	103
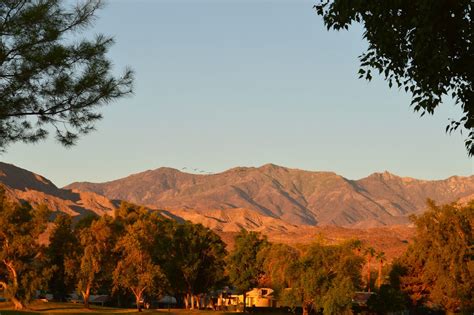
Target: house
258	297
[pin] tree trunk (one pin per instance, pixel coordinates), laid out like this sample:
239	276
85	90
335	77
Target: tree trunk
86	295
17	303
198	302
219	302
186	301
245	301
379	280
192	301
138	299
368	275
305	308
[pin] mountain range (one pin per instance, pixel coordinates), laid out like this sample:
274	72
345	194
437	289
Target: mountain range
288	205
292	196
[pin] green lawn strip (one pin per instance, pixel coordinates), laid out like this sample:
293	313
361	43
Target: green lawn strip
38	307
53	308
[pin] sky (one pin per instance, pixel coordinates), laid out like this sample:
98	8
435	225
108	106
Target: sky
221	84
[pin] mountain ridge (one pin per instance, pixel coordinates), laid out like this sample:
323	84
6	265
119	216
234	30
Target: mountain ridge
20	184
296	196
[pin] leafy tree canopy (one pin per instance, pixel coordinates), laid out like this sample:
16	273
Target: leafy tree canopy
62	245
48	80
22	260
275	260
438	268
85	222
245	269
197	259
135	270
387	300
129	213
94	261
324	278
424	47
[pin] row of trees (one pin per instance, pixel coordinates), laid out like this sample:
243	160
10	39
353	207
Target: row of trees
316	277
436	272
320	278
139	253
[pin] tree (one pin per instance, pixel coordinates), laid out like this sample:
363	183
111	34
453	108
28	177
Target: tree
424	47
275	260
197	262
95	259
84	222
437	270
47	80
356	245
136	269
62	244
369	253
381	259
244	268
129	213
23	267
324	278
389	299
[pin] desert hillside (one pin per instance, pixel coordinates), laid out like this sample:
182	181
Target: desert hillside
289	206
294	196
21	184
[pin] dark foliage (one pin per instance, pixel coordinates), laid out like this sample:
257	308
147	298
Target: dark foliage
424	47
48	81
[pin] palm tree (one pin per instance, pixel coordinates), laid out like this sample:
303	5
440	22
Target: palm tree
356	245
369	253
381	259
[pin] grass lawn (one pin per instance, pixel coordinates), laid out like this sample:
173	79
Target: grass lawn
71	309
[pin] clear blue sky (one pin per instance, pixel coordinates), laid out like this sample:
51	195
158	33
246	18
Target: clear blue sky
232	83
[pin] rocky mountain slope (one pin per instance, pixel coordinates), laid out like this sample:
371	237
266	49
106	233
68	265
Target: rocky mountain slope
291	196
20	184
265	193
